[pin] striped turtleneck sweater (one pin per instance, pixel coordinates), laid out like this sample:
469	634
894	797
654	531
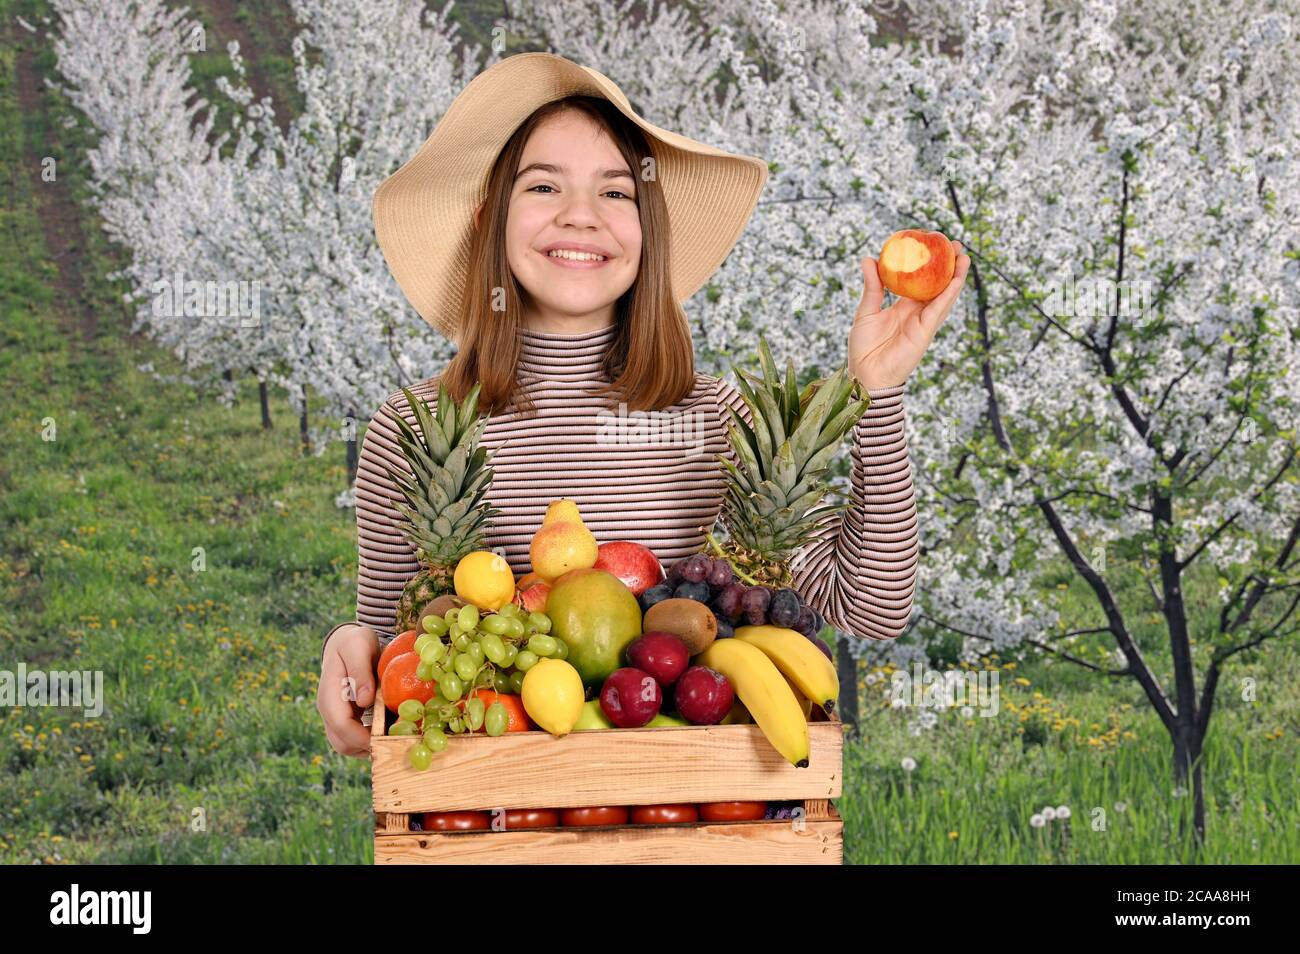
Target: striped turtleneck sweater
661	486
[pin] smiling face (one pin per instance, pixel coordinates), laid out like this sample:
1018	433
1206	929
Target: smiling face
573	191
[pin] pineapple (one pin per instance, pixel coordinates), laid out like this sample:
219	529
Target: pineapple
444	513
783	460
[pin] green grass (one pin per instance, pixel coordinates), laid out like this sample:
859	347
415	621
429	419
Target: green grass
1070	738
210	748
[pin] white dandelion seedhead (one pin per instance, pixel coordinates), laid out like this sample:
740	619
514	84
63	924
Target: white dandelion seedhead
909	764
1063	812
1049	813
1121	807
1037	821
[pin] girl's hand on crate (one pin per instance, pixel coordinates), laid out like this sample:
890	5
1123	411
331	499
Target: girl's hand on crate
347	687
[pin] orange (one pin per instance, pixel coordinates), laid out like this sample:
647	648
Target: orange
399	683
518	720
404	643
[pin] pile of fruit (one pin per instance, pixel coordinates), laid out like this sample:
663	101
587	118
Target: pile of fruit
569	647
598	635
516	819
713	582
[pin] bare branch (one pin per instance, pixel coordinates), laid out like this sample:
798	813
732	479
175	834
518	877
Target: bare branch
1045	647
1261	585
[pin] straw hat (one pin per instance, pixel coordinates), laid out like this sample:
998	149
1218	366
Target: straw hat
424	211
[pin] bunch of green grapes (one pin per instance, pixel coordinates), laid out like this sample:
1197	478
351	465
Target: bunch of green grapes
462	651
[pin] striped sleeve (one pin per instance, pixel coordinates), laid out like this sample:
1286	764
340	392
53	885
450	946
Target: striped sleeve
860	569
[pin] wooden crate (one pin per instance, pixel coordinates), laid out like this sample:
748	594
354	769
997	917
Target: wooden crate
610	767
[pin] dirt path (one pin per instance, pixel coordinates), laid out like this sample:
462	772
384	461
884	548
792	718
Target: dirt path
225	18
56	207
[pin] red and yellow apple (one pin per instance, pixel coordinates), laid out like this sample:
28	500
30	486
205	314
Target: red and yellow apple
916	264
634	564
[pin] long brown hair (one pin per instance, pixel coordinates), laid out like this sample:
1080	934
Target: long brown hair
650	323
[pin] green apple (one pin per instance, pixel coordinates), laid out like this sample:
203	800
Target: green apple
592	717
662	720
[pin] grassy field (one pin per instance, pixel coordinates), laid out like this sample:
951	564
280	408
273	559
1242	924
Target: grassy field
209	749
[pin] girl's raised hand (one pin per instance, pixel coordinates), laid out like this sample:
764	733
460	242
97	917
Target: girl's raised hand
886	346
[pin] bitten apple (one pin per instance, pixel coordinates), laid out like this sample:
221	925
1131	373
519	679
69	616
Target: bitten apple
917	265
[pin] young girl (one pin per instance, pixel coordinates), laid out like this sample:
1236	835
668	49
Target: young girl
553	234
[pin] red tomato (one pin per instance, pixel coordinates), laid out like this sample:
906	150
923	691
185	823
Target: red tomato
517	818
403	643
732	811
456	821
664	814
590	817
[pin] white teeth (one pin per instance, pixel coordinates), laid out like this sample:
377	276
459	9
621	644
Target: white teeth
576	256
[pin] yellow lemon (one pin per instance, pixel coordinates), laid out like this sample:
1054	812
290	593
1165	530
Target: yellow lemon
553	696
485	579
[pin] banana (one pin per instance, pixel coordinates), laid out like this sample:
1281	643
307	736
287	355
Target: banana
765	693
804	702
799	659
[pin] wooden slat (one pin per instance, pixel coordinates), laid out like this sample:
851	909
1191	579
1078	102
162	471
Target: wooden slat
815	842
606	767
815	809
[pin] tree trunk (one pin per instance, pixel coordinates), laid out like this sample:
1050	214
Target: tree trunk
847	666
265	398
1187	737
303	436
1188	745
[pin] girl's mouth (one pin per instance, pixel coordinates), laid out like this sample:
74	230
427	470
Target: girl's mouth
566	258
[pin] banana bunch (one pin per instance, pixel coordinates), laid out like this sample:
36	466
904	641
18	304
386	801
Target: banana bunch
802	663
775	672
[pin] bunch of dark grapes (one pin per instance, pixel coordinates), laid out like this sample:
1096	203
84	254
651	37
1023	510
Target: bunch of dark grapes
711	580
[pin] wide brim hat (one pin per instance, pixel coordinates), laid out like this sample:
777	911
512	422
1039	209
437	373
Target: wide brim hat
424	212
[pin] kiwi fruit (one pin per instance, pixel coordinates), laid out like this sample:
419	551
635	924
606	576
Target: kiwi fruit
438	607
689	620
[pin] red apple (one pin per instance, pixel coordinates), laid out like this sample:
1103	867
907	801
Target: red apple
630	698
635	565
917	265
661	654
704	696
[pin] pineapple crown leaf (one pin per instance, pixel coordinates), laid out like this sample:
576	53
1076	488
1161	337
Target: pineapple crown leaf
740	477
840	425
468	414
443	512
791	395
778	479
431	435
770	413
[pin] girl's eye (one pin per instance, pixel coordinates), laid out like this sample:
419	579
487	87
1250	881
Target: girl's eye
542	185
